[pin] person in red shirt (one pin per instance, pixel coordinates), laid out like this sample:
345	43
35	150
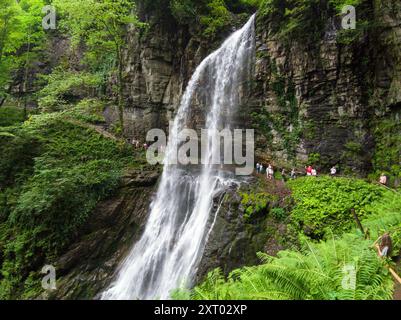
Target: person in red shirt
309	171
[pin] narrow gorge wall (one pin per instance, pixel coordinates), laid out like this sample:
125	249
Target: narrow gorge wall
323	97
314	99
158	64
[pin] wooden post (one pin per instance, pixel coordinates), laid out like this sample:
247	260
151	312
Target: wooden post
358	222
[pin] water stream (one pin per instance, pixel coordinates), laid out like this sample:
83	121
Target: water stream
181	216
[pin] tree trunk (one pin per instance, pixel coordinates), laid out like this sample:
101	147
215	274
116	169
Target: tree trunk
358	222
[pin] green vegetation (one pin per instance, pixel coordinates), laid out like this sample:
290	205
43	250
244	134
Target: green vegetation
213	16
301	20
21	35
54	169
256	204
218	17
387	157
314	158
101	25
315	273
319	271
10	115
64	88
326	203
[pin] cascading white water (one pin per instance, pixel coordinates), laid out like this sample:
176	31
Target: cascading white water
167	255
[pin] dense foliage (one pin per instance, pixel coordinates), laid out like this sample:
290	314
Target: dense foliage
320	271
326	203
255	204
213	16
53	171
66	87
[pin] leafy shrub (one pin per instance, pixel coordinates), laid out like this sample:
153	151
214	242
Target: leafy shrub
306	20
278	213
217	18
88	111
255	204
314	158
17	152
327	202
384	216
64	87
10	116
318	271
184	11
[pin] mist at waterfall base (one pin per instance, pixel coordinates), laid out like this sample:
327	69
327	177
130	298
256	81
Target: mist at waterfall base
184	210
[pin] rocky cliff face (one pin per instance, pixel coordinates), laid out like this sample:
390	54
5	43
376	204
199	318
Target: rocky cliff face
158	64
89	265
235	240
323	96
313	100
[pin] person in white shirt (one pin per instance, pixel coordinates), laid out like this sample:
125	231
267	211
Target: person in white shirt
270	172
293	174
314	172
383	179
333	171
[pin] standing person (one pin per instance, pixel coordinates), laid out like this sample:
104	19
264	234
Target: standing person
383	179
261	168
333	172
283	173
386	245
270	172
293	174
257	168
314	172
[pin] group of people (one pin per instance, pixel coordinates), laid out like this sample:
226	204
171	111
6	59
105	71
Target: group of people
138	145
310	171
260	169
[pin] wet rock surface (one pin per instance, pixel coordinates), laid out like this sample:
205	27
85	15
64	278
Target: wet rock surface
234	240
89	265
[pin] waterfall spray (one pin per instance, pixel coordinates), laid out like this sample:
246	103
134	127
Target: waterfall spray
168	253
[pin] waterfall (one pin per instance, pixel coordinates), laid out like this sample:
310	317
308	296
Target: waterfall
181	215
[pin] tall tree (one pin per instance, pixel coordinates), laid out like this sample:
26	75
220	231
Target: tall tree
20	32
